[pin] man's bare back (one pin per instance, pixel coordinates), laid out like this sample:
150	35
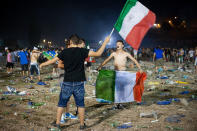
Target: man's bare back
34	57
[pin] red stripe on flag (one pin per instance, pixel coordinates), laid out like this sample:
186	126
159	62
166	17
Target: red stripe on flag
139	86
138	32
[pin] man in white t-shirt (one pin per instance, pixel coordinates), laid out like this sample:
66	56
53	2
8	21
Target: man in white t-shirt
181	54
191	55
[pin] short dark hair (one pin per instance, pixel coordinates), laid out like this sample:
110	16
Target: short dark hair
158	47
74	38
81	41
120	42
67	43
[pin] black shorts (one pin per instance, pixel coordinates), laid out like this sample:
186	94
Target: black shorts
24	67
34	68
10	65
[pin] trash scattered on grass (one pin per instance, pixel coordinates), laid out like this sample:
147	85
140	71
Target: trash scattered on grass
124	126
182	82
11	89
114	124
184	92
174	128
149	115
41	83
153	83
165	102
174	118
103	101
184	101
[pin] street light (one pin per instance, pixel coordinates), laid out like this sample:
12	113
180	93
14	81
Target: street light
44	41
157	25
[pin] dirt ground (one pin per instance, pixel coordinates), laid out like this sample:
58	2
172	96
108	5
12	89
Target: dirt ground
17	115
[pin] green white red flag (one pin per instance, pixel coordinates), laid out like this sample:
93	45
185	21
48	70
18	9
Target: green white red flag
134	22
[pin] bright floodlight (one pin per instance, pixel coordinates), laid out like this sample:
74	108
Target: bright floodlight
100	42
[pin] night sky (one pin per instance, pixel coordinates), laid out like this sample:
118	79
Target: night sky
90	19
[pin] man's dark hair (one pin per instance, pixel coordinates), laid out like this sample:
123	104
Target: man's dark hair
81	41
158	47
75	39
120	42
67	43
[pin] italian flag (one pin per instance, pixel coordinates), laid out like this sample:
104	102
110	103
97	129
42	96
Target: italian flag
120	86
134	22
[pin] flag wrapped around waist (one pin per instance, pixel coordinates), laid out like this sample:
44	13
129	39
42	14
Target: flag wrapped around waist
120	86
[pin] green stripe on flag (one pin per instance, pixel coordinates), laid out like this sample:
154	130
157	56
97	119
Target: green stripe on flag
129	4
105	85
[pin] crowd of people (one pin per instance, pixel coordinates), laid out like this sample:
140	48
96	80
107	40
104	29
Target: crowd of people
72	58
23	56
180	56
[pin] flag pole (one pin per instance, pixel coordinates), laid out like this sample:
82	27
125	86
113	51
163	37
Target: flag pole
111	32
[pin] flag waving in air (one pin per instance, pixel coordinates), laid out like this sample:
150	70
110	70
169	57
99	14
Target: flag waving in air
134	22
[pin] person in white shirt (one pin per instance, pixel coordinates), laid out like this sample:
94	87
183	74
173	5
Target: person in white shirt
191	55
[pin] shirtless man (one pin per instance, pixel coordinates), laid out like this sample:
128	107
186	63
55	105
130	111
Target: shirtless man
34	64
120	58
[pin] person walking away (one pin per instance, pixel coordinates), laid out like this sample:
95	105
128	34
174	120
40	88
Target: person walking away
23	62
158	58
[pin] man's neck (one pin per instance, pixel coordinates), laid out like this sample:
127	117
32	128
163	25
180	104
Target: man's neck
119	50
73	46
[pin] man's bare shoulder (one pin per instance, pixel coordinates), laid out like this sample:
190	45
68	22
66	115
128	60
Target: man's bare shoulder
113	53
127	53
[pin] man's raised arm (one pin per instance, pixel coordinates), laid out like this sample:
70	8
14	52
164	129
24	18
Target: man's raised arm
101	49
105	61
49	62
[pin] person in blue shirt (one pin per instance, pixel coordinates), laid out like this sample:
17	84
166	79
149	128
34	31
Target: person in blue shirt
24	62
158	58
